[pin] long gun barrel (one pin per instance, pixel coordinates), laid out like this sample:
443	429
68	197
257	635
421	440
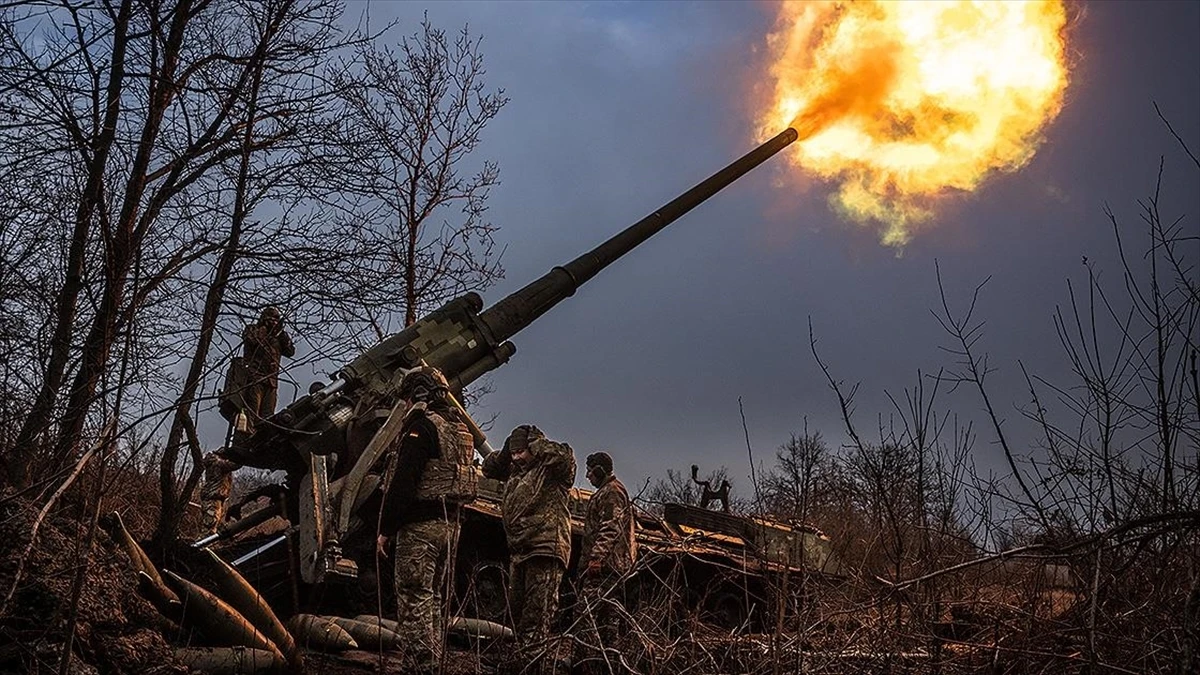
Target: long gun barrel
520	309
463	340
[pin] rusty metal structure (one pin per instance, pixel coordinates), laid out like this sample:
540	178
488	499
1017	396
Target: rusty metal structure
725	568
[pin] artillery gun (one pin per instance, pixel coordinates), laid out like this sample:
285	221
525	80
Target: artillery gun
313	440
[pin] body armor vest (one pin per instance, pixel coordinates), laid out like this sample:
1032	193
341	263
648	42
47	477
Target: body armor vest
451	476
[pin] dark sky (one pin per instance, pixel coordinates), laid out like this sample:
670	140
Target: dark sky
618	107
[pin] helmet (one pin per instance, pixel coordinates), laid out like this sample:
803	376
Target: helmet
601	460
425	383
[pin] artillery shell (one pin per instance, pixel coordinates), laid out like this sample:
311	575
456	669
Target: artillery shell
240	595
141	562
160	596
368	635
458	624
218	621
229	660
479	628
373	620
317	632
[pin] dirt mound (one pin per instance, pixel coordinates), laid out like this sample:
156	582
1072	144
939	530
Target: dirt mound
115	631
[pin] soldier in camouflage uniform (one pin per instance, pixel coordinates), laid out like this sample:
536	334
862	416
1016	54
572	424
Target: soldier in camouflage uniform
264	343
537	474
216	488
420	516
609	552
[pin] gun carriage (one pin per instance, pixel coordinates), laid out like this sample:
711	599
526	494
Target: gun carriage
328	461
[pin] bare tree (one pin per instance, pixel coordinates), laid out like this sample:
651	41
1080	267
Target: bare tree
276	109
413	115
121	101
201	151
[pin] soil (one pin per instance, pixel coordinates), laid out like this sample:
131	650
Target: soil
116	631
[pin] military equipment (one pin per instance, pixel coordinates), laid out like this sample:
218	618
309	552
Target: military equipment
243	597
219	621
115	527
317	632
247	557
479	628
160	596
463	341
468	626
389	624
369	635
231	528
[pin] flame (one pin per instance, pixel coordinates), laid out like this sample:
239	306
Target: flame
904	102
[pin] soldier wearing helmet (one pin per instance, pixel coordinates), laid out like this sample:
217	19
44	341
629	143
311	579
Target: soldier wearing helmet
263	344
429	474
537	474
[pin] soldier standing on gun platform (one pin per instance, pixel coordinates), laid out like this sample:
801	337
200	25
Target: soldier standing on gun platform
428	476
609	552
264	342
537	474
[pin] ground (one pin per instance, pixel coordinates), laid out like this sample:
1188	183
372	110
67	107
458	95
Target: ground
116	631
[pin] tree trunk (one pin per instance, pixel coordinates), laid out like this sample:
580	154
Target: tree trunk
172	501
65	304
123	246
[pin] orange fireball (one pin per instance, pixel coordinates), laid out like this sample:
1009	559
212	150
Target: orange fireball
903	102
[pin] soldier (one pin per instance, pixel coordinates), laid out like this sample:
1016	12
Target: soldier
428	476
537	474
217	486
609	552
263	343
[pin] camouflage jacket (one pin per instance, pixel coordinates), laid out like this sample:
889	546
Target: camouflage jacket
218	477
536	519
263	347
608	529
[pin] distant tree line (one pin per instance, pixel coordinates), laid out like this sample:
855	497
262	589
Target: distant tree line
1082	556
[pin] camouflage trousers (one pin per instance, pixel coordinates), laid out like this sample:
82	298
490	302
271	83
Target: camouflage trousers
260	401
422	555
533	599
598	619
213	509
